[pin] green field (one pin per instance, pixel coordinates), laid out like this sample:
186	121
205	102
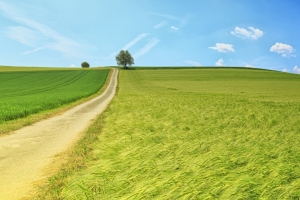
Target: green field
195	134
192	134
27	92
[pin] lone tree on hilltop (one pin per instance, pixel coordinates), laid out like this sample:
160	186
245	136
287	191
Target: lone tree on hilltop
85	65
124	59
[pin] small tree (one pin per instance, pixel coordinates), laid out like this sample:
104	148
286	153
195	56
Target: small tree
124	59
85	65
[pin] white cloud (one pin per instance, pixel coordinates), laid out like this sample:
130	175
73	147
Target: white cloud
160	25
37	34
285	70
72	65
134	41
23	35
221	47
249	66
287	55
152	43
284	49
32	51
296	69
193	63
127	46
252	33
174	28
220	62
182	21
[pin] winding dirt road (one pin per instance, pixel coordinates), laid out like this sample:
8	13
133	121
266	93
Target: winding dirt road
27	152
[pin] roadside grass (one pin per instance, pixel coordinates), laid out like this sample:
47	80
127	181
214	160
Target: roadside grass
192	134
8	126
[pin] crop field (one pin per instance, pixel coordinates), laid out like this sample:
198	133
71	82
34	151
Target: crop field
27	92
15	68
195	134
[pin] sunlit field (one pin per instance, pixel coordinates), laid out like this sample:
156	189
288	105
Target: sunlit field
195	134
27	92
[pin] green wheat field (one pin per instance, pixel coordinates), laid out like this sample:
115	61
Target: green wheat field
23	93
211	133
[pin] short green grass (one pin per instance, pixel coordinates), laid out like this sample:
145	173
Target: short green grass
194	134
28	92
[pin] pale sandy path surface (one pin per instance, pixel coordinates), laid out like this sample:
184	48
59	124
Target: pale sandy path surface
27	152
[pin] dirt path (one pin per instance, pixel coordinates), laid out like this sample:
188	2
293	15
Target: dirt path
24	154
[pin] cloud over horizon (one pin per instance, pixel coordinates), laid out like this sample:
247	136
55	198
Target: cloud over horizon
72	65
296	69
193	63
220	62
249	66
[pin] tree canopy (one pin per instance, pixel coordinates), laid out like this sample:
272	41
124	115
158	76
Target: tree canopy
124	59
85	65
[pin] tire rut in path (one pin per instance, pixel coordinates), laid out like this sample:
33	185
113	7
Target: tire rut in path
25	153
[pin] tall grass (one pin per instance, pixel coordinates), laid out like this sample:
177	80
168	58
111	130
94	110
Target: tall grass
196	134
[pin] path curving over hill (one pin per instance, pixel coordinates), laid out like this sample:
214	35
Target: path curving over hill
27	152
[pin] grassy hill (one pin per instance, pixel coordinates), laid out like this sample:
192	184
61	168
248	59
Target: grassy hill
192	134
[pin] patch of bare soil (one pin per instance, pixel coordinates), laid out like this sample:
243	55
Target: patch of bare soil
27	152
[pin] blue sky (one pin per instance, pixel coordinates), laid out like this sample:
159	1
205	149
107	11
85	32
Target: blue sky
64	33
